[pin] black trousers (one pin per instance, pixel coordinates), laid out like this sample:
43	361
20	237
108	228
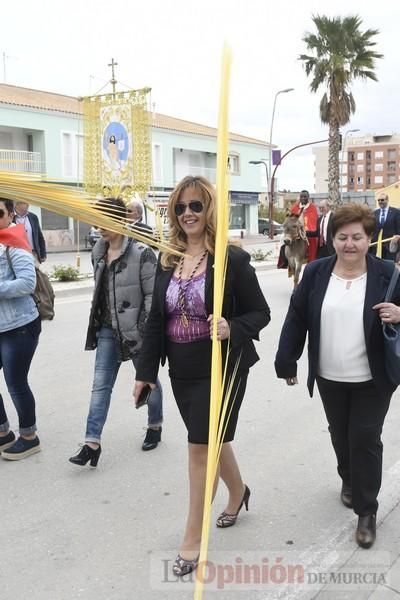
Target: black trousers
355	413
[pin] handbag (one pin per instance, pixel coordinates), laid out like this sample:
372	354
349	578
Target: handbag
391	337
43	294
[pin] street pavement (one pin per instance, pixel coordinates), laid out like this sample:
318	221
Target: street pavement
111	533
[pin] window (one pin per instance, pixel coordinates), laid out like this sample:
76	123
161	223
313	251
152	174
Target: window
378	179
368	155
360	168
237	216
360	155
368	180
379	154
392	154
392	179
157	164
379	167
351	156
72	154
359	180
234	164
391	166
351	179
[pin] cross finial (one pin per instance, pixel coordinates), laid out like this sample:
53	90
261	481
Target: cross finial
113	81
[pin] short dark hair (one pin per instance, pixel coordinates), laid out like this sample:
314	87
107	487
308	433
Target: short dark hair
353	213
112	207
9	204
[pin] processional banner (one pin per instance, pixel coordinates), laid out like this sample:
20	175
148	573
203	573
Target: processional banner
117	143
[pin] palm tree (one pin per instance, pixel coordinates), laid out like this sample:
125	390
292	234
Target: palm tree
341	53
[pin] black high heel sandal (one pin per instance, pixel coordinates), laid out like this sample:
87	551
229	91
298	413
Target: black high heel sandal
182	566
85	455
227	520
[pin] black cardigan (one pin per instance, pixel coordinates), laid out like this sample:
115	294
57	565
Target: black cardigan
244	306
304	315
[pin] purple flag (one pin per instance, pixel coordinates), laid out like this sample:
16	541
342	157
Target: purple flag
276	157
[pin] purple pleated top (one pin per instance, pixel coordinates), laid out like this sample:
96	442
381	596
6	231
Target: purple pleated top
198	328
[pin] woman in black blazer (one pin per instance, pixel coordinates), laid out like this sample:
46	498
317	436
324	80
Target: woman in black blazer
339	303
179	327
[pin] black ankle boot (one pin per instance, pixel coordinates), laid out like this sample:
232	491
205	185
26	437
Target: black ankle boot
366	531
86	453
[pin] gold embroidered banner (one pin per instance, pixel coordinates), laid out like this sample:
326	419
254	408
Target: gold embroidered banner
117	143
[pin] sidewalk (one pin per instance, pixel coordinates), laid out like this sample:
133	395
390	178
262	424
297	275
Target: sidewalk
85	282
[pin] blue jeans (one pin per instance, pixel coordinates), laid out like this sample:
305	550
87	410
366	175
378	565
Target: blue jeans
105	373
17	348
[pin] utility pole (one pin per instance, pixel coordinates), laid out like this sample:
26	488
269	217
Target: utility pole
113	81
4	67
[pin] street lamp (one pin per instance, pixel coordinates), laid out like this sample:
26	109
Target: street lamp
271	199
341	163
285	91
268	167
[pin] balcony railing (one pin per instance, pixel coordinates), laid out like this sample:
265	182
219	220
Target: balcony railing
181	171
20	160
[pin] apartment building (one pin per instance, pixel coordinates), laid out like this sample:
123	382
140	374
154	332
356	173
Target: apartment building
371	162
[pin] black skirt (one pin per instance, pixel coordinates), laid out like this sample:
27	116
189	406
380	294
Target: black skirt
190	373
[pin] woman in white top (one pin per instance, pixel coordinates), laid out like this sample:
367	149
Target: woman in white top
339	303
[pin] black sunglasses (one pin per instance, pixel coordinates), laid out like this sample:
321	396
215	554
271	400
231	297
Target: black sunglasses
196	206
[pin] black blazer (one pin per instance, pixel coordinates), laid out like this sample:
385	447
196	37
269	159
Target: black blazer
329	249
304	317
39	244
390	228
244	306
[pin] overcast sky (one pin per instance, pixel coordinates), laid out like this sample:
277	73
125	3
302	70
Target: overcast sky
175	48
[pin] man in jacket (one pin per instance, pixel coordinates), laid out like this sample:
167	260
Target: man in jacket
33	231
308	211
325	243
387	220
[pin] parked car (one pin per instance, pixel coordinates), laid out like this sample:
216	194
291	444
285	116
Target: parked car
263	227
94	235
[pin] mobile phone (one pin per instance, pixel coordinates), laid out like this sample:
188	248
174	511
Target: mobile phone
144	396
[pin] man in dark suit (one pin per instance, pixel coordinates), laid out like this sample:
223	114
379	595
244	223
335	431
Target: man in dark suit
387	219
33	231
325	244
134	216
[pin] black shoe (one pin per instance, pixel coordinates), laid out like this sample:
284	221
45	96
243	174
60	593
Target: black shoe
227	520
7	440
346	495
21	449
153	436
366	531
86	453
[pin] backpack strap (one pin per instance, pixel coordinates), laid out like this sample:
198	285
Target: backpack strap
10	261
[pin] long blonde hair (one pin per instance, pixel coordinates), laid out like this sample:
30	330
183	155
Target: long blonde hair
177	237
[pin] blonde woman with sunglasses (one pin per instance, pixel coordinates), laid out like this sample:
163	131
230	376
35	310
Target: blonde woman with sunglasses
179	328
